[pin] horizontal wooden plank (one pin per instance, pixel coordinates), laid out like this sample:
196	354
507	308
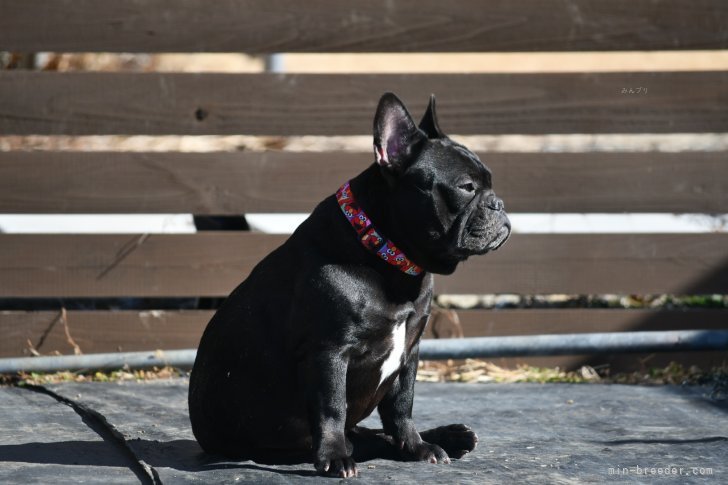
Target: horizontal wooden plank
598	263
212	264
207	264
245	182
107	331
494	323
84	103
100	331
261	26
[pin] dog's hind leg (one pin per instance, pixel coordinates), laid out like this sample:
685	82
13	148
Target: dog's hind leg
456	439
369	444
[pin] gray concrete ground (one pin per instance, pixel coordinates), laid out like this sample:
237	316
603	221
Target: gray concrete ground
533	434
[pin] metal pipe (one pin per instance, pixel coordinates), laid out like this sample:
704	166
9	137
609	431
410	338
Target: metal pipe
574	344
274	63
112	361
430	349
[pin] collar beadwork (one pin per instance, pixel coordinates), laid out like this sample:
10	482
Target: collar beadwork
372	240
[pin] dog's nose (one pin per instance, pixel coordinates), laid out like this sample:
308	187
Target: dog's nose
494	203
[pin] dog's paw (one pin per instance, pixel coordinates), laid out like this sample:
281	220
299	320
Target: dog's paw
343	467
429	452
456	439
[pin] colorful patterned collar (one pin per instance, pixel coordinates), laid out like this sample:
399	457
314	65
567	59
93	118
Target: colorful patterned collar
372	240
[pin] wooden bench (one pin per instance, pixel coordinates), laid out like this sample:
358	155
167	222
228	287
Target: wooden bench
211	264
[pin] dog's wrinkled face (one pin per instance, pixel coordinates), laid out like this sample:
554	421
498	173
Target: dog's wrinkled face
442	194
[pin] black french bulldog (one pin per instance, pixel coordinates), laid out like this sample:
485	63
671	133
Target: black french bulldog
327	327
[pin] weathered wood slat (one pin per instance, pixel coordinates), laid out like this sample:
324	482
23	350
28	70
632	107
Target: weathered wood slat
476	323
105	331
212	264
233	183
262	26
592	264
100	331
323	104
207	264
493	323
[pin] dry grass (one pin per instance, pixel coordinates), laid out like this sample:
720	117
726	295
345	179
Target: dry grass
473	371
39	379
468	371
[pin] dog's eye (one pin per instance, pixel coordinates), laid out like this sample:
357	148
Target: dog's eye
468	187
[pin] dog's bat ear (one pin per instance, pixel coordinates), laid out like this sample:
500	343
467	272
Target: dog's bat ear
429	121
396	137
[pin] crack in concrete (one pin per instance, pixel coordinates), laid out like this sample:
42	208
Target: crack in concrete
98	423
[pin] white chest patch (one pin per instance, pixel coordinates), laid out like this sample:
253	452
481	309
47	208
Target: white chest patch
394	359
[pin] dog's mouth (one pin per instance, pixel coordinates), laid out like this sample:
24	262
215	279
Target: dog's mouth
503	234
485	234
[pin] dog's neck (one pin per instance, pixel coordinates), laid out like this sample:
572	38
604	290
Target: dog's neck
370	237
373	191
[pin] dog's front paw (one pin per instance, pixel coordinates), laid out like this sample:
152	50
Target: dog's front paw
424	451
336	465
455	439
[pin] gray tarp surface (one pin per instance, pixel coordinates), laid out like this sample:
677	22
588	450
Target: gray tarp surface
529	433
